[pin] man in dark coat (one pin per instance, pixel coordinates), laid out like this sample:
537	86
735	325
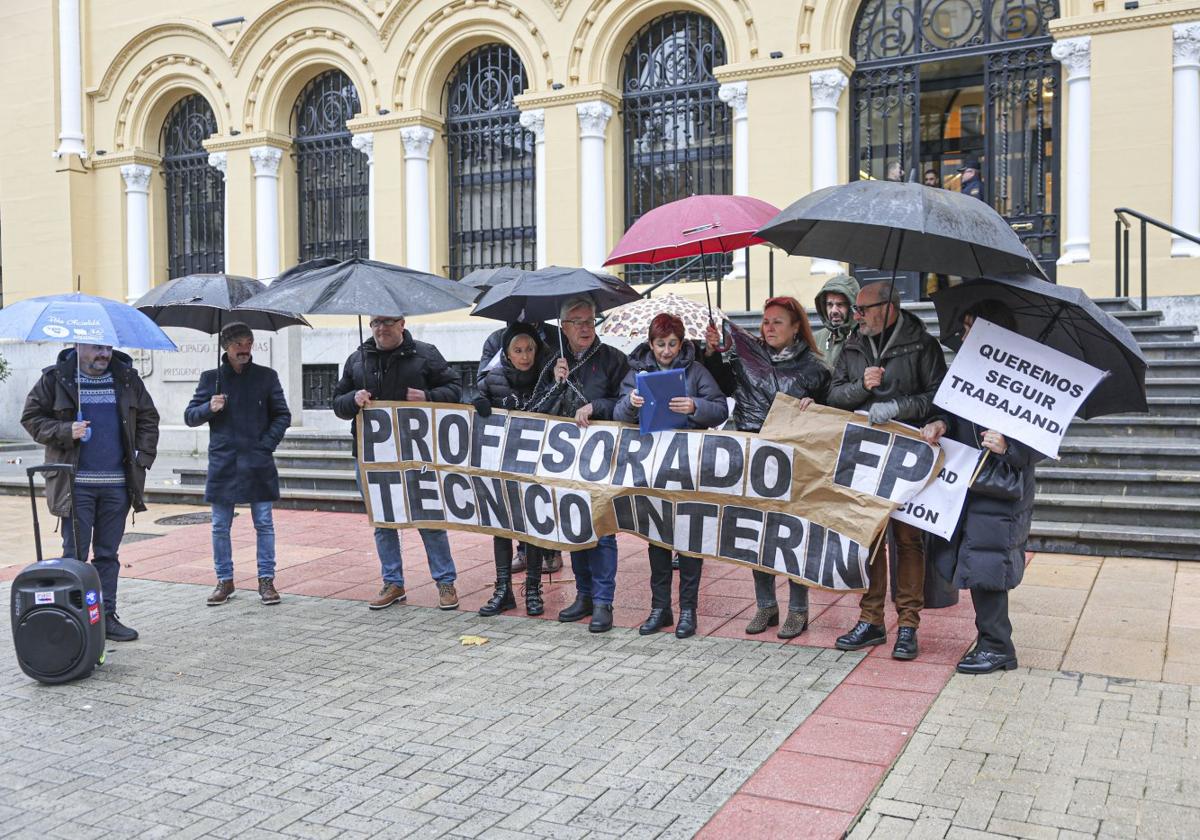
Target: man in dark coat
247	416
111	448
391	365
891	367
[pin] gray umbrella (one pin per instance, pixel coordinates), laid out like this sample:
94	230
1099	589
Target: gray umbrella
901	227
485	278
537	295
205	302
1065	319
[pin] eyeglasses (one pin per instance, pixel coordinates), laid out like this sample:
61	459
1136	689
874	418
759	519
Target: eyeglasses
580	323
385	322
862	310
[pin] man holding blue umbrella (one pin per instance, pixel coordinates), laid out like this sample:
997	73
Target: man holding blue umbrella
91	410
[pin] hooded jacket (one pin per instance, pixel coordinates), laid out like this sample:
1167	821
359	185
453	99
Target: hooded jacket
52	406
711	408
830	338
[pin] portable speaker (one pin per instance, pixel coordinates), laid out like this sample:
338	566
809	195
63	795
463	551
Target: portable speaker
57	611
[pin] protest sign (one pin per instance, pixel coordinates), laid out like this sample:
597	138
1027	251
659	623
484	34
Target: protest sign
937	507
1027	391
806	504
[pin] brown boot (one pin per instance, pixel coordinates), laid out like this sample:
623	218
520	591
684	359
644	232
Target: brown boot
266	591
222	593
389	594
447	597
794	626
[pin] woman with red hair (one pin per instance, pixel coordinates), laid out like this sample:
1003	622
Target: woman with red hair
704	407
796	369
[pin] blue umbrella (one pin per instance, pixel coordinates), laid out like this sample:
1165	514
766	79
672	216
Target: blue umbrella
81	319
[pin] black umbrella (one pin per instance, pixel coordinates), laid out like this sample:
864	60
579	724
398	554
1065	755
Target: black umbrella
485	278
901	227
303	268
1065	319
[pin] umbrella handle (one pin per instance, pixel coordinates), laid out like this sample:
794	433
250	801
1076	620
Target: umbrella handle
87	433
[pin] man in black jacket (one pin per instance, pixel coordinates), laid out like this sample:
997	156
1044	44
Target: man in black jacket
891	368
391	365
247	416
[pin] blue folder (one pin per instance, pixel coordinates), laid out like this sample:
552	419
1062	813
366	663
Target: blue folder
657	388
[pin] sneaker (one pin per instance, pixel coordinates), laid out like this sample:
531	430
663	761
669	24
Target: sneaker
389	594
115	631
266	591
447	597
222	593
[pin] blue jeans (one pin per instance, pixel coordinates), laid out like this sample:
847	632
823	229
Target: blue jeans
264	528
100	512
596	571
437	551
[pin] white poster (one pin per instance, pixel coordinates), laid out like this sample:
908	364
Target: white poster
937	507
1022	389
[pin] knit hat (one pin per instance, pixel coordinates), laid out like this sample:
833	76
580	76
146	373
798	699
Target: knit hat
519	328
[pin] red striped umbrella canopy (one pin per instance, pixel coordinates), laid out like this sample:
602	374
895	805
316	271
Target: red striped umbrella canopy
701	224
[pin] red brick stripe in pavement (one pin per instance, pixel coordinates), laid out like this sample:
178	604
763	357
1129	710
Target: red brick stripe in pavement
813	786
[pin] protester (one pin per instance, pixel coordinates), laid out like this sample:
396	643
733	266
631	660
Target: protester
986	553
585	384
109	464
510	385
833	308
247	416
704	407
391	365
797	370
890	368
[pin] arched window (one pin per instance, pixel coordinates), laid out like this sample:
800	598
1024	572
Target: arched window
333	180
491	164
677	131
195	191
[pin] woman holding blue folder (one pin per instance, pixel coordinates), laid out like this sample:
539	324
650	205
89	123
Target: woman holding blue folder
798	371
703	406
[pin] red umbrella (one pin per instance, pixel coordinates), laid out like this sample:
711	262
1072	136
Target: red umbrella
700	224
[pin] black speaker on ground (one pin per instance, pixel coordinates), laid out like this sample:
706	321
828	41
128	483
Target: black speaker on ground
57	610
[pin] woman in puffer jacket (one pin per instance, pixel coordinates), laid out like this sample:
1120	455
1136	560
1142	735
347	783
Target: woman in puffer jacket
796	369
704	407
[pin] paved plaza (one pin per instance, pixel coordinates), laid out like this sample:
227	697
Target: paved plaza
319	718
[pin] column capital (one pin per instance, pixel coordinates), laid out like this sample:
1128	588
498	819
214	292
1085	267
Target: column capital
593	118
1075	54
734	94
365	143
219	161
1186	37
137	177
417	139
827	87
266	160
534	121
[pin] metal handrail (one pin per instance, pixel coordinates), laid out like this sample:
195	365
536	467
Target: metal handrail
1121	229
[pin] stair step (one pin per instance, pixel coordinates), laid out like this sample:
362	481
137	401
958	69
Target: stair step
1135	426
1130	453
1171	350
1115	540
315	459
1091	481
1156	511
1172	386
1170	407
316	441
1172	368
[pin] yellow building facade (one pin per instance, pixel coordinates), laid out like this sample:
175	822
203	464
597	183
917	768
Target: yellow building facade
82	174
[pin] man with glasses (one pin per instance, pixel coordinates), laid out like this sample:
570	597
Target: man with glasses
391	365
890	368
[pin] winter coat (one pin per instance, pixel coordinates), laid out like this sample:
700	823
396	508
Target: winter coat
913	368
414	364
242	436
506	387
595	377
830	338
492	348
52	407
699	384
758	379
987	549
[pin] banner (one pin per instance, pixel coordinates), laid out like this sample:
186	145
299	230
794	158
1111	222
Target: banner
806	498
1022	389
938	506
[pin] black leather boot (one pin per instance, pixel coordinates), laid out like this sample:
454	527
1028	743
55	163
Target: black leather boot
601	619
502	599
581	608
687	623
533	582
659	618
863	635
906	643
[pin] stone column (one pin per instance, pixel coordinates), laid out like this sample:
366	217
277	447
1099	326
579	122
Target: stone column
535	122
1076	56
1185	180
417	139
365	143
826	87
734	95
266	210
70	81
137	228
593	209
220	162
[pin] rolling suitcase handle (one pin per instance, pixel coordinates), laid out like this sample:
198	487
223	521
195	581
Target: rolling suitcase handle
37	535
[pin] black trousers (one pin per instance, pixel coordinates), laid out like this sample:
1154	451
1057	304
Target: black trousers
690	569
991	620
